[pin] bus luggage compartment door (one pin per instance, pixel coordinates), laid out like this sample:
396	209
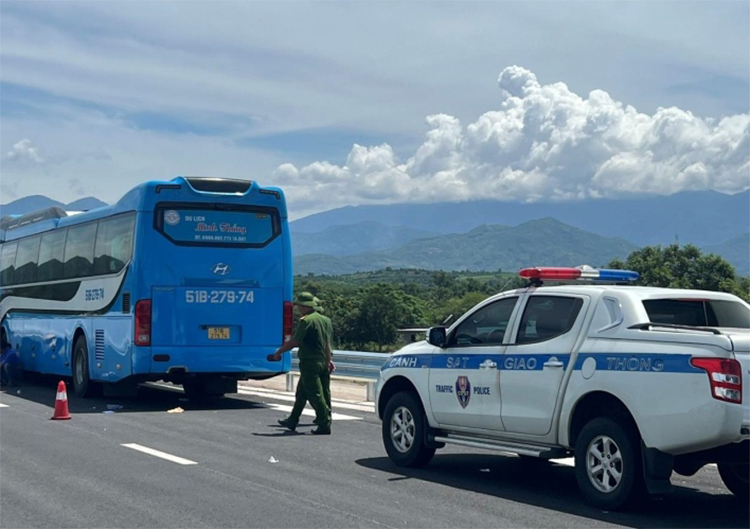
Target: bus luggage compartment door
220	316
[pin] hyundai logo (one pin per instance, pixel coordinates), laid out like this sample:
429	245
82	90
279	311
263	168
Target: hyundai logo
220	269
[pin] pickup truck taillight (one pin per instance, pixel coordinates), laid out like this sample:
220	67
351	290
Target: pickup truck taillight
725	376
143	322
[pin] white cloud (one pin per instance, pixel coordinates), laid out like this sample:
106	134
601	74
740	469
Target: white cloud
544	142
24	151
112	95
89	153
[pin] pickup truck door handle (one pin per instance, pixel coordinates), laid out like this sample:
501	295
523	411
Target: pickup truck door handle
553	362
488	364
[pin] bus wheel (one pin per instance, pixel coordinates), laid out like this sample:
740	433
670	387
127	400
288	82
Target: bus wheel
82	383
208	386
194	389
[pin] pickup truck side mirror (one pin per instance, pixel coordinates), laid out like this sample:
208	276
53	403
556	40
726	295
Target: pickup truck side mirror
436	336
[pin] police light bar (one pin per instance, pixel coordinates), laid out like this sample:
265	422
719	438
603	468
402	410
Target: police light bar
559	273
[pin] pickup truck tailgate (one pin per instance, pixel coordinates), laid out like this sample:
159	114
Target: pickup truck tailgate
741	343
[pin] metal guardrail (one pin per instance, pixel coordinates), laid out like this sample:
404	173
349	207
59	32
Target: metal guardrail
353	365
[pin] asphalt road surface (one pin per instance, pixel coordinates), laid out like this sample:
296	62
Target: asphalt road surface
225	463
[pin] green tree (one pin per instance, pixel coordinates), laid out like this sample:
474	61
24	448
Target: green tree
456	307
677	266
378	316
445	285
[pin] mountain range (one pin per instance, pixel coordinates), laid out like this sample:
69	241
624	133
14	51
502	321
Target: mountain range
487	247
37	202
355	238
487	235
698	217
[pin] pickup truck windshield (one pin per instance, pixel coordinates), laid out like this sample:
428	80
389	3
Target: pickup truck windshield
698	312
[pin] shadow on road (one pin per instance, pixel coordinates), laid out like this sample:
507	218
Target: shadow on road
42	389
553	486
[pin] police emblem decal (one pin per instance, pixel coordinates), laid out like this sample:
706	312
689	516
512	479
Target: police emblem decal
463	391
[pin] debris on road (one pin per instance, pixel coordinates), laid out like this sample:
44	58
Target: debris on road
175	410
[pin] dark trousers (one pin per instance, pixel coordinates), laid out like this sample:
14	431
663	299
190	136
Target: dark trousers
314	386
10	374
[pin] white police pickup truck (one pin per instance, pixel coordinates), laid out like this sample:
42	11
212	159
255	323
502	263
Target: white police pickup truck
635	382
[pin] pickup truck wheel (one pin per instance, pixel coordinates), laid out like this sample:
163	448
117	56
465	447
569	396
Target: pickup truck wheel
608	464
403	431
736	476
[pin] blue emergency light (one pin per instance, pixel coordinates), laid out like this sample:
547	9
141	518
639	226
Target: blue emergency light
560	273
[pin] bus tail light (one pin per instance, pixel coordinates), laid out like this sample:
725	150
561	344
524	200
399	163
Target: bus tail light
288	320
143	322
725	376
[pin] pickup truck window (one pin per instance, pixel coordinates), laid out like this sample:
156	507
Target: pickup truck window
487	325
546	317
698	312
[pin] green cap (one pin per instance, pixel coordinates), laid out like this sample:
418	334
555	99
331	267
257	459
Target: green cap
307	300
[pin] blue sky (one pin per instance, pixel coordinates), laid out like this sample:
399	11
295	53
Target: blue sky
346	103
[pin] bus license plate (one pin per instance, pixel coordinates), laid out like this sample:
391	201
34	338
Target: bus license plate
218	333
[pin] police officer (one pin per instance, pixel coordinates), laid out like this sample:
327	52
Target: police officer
10	362
313	338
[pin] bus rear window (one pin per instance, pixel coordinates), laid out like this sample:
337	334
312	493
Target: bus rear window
698	312
220	225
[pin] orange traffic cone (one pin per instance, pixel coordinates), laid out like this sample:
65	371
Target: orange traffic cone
61	403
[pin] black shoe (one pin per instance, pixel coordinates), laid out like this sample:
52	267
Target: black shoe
288	424
320	430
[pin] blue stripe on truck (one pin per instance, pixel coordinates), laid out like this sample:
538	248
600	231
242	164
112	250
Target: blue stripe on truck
626	362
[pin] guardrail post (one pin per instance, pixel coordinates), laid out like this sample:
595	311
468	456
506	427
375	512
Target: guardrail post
290	381
371	392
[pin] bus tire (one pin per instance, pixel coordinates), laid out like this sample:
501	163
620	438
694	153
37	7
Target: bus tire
83	386
194	389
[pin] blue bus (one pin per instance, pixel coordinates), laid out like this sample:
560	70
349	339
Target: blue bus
187	281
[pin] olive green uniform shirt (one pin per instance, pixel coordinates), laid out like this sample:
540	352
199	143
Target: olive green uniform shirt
313	333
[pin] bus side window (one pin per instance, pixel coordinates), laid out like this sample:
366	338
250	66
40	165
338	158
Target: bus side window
26	260
51	254
79	251
114	244
7	260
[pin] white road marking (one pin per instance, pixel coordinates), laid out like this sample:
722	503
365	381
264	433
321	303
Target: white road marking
3	405
571	462
568	461
278	395
157	453
311	413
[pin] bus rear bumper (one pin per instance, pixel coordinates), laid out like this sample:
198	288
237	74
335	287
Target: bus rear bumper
242	363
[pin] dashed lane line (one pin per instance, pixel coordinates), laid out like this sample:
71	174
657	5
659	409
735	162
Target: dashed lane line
571	462
158	453
3	405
